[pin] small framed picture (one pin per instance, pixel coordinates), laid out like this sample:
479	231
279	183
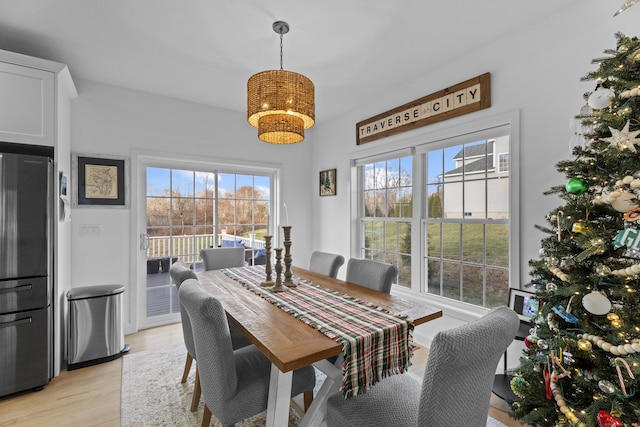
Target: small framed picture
524	303
100	181
328	182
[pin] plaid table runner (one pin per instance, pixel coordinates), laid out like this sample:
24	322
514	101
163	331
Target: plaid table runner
376	343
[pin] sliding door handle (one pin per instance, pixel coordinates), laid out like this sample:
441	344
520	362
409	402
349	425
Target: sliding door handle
144	242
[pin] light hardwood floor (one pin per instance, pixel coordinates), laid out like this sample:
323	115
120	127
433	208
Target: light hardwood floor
91	396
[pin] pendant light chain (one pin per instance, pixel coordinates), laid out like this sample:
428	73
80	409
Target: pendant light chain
281	51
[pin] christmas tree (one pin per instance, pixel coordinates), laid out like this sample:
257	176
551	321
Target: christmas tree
581	363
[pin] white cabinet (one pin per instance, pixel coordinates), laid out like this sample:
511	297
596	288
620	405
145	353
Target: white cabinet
27	105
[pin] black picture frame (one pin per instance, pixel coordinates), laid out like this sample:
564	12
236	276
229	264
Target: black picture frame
524	303
100	181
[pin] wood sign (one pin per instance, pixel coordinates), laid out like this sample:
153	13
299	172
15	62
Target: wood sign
463	98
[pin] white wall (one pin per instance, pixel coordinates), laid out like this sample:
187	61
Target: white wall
536	72
109	120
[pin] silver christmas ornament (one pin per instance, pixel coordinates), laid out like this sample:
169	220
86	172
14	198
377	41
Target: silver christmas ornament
606	386
567	357
602	270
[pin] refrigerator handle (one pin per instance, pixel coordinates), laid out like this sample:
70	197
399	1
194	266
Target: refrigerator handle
21	288
144	242
15	322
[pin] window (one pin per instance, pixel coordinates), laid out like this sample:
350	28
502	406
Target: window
503	162
467	223
243	209
188	210
461	223
387	198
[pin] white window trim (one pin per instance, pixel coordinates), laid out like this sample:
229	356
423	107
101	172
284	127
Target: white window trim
418	142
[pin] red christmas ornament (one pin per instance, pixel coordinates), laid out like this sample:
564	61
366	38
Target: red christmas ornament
605	419
547	383
531	340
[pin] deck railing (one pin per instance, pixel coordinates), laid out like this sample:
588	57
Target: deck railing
187	248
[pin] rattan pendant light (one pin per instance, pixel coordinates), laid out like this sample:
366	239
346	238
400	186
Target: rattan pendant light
280	103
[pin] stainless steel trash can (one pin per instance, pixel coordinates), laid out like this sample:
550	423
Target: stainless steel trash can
95	325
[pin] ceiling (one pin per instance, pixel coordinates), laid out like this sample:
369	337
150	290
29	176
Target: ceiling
205	50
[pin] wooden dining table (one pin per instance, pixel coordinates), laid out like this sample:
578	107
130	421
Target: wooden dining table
290	344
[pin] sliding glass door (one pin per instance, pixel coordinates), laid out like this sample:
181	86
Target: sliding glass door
187	210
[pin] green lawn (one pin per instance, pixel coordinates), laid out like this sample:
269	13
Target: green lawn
462	245
465	243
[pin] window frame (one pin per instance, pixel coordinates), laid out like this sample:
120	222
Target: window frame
192	198
464	220
141	159
363	219
422	140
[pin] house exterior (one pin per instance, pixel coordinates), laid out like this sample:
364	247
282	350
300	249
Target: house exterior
476	166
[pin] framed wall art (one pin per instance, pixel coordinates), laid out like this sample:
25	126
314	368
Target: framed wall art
328	182
100	181
524	303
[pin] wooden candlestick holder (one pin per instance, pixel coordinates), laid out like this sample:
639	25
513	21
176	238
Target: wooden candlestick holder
286	229
278	287
267	263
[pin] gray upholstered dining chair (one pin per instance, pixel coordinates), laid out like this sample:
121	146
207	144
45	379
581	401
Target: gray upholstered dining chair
455	389
325	263
235	382
371	274
217	258
180	272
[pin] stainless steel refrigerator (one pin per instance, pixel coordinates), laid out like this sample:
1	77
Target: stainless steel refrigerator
26	334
